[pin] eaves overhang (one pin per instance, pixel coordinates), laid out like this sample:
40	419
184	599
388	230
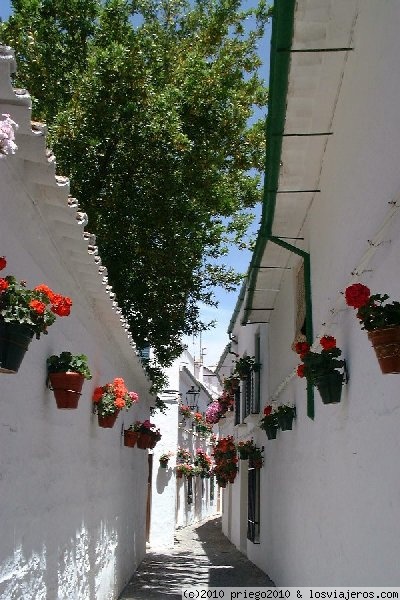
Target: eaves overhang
310	44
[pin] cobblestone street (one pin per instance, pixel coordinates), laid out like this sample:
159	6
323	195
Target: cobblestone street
202	556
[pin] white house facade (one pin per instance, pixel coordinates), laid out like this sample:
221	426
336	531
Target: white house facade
327	501
181	501
72	499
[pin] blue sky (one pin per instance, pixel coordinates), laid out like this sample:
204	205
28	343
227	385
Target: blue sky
216	339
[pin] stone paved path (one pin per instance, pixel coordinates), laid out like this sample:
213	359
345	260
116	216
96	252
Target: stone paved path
202	556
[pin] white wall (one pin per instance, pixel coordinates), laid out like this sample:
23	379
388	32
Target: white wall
330	489
163	501
72	497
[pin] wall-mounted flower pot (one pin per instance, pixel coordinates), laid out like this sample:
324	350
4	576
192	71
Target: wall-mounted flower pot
330	388
143	441
107	421
163	464
285	421
67	388
271	431
386	343
130	438
14	342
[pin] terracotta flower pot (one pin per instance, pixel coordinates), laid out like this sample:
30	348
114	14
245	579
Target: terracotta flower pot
143	441
14	342
67	388
386	343
330	388
130	438
107	421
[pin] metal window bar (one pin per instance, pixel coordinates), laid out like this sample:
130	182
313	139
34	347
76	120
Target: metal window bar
212	488
237	406
248	395
253	506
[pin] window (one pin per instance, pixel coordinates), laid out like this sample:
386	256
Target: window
253	506
300	305
257	378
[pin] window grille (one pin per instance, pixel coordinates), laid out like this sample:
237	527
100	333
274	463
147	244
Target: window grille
253	506
237	406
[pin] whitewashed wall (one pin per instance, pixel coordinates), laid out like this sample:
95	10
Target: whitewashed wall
330	489
202	506
163	500
72	497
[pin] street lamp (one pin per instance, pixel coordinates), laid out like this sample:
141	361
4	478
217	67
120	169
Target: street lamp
191	397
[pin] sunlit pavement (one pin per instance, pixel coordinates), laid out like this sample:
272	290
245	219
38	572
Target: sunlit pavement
202	556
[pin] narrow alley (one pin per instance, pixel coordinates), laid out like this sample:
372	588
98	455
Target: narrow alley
202	556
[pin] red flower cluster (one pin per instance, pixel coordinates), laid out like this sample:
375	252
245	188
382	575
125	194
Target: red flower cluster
113	397
357	295
267	410
225	461
60	305
301	370
328	342
302	347
3	262
37	306
3	285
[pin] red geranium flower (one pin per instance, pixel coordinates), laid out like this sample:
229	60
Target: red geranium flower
300	370
97	394
37	306
119	403
302	347
3	262
357	295
328	342
267	410
3	285
61	305
44	289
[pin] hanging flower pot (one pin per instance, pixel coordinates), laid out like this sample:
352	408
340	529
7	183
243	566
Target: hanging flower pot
14	341
130	438
25	312
144	441
163	464
67	388
66	374
269	422
107	421
271	431
381	320
330	387
285	415
386	343
109	399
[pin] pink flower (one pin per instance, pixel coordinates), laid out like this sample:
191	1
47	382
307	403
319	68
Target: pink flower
133	396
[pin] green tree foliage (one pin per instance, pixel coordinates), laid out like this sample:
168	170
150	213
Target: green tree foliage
148	104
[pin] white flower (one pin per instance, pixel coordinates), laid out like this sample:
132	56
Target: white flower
7	135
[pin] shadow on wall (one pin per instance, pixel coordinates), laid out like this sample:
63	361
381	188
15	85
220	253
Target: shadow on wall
163	478
85	568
